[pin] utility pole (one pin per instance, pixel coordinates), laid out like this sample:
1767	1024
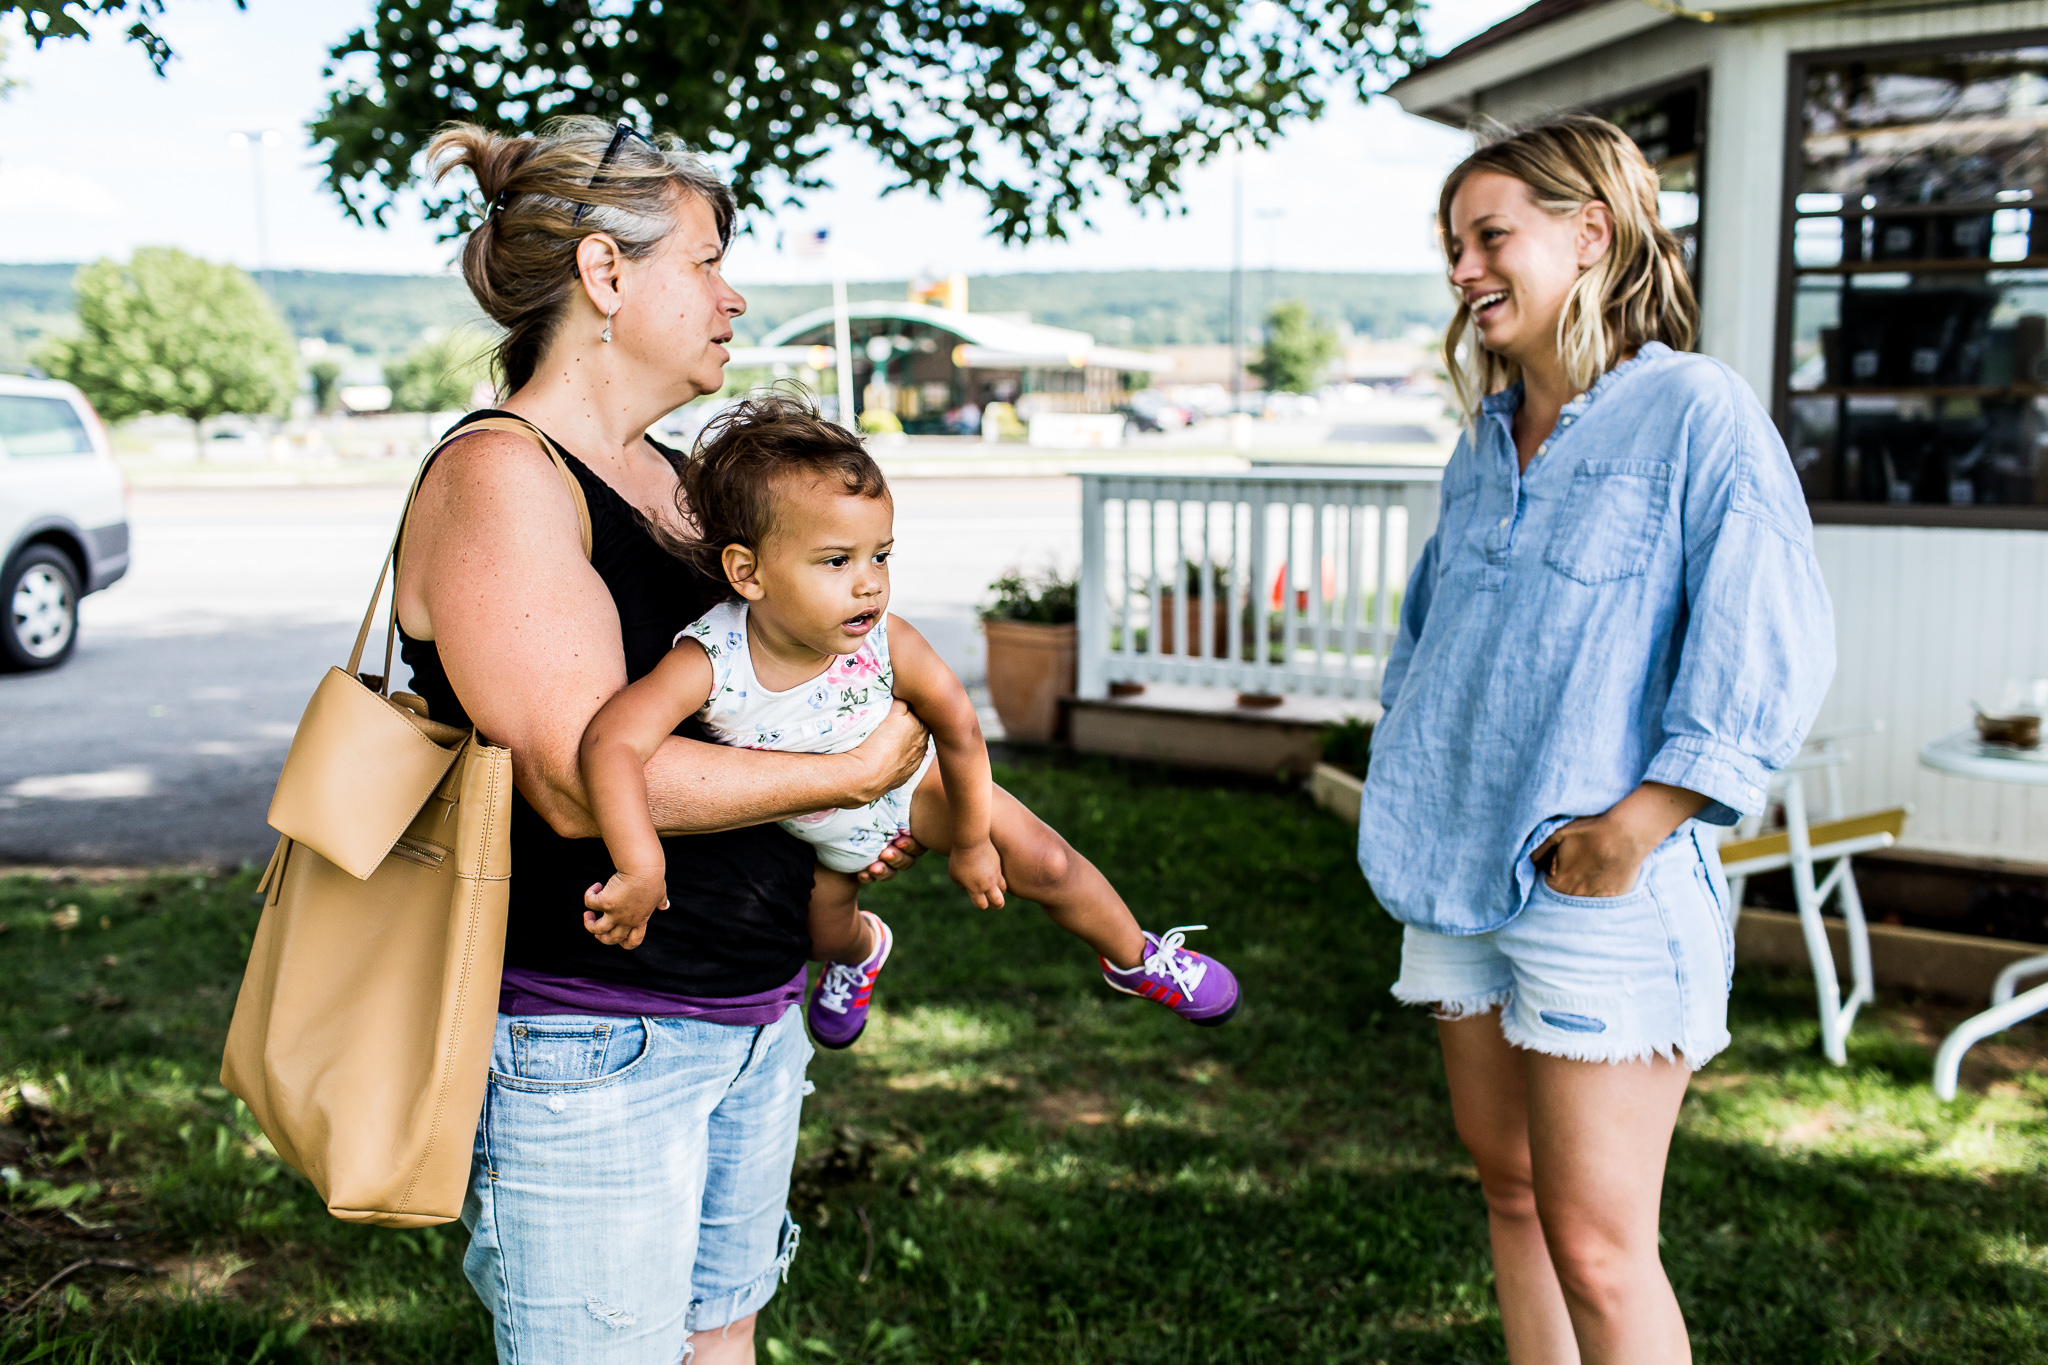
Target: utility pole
1268	217
256	139
1236	280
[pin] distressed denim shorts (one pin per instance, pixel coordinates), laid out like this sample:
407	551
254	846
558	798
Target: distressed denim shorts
631	1182
1596	979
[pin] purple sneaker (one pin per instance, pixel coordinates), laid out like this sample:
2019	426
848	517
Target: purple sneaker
839	1000
1198	988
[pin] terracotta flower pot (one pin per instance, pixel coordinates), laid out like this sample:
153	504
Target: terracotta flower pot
1170	615
1030	667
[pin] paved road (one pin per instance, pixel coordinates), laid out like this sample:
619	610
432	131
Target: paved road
160	740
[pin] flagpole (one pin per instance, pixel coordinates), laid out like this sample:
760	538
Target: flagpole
842	346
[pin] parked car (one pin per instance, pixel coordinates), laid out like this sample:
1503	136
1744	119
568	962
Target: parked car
63	518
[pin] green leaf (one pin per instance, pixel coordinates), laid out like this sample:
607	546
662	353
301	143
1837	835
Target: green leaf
1040	107
170	333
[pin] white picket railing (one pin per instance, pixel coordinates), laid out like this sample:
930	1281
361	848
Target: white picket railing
1273	581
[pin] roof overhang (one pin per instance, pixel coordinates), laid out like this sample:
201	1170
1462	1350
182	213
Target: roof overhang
1545	34
1551	32
801	357
970	357
987	342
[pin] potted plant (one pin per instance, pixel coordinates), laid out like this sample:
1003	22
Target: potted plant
1033	652
1171	612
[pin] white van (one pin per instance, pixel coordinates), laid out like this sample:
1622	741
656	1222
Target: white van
63	518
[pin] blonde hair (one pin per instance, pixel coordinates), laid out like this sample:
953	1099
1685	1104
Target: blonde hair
1637	292
520	261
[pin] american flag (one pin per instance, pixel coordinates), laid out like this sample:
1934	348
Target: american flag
814	241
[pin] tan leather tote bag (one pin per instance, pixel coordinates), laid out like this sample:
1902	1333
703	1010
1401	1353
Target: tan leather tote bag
362	1036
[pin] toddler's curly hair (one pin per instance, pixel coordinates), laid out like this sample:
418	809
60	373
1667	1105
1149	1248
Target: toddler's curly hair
729	482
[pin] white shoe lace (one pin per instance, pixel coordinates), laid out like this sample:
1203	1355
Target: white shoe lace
841	982
1168	960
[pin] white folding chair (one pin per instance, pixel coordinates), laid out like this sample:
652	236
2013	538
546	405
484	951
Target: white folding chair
1799	846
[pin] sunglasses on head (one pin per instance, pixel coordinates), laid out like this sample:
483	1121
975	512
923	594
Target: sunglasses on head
624	131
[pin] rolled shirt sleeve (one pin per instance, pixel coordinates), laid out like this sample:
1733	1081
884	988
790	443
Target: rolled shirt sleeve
1759	642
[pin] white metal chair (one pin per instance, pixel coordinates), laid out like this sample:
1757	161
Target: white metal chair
1799	846
2006	1010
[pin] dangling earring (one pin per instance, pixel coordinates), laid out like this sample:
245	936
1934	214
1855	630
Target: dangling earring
608	324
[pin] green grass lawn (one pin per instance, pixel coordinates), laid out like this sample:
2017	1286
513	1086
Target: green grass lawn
1013	1165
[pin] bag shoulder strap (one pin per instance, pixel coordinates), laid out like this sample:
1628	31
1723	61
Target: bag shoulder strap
394	558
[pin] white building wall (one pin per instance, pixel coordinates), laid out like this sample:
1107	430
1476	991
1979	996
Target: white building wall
1926	620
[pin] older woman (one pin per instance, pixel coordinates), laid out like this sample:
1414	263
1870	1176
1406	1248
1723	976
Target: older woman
632	1164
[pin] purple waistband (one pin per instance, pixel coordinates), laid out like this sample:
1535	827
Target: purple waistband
530	992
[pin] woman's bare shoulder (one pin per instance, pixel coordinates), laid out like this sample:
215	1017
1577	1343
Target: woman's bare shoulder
501	473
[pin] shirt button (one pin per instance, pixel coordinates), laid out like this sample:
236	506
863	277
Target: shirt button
1505	520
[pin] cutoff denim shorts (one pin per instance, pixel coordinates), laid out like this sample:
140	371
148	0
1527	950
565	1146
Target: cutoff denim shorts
1597	979
631	1183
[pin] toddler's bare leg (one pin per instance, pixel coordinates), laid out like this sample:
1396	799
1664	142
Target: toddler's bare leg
1038	865
838	933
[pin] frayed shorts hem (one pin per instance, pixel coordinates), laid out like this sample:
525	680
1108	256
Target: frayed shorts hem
1589	1049
1462	1007
709	1315
1611	979
1593	1048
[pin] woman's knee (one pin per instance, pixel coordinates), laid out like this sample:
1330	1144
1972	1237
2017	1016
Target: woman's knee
1594	1271
1509	1191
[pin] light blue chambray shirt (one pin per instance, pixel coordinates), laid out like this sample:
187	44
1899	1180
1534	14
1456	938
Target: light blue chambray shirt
1643	604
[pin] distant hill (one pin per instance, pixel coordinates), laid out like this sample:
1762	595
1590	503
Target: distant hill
378	315
382	315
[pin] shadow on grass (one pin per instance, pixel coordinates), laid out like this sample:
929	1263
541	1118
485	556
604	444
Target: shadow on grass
1027	1168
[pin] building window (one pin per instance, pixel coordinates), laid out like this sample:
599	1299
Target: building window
1914	355
1670	128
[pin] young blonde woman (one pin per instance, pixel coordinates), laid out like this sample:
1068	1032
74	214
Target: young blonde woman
1615	636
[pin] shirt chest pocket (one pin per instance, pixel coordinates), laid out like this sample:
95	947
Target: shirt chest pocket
1612	519
1455	515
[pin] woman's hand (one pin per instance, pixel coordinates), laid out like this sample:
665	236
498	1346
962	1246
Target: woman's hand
902	852
889	757
1600	855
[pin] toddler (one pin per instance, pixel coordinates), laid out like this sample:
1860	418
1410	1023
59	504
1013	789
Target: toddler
797	519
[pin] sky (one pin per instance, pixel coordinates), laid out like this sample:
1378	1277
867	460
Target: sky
98	156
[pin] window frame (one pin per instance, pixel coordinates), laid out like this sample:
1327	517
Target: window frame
1701	80
1986	516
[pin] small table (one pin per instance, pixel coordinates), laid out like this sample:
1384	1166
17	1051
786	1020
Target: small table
1962	754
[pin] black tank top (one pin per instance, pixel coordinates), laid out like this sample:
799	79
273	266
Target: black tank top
736	922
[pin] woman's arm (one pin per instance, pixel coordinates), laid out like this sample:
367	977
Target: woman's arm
935	694
494	574
1754	664
623	736
1758	651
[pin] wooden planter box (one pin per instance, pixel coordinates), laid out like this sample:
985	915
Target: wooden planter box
1337	792
1030	668
1959	966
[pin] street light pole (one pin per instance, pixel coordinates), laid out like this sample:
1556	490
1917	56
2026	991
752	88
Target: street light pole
1236	281
256	139
1268	217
